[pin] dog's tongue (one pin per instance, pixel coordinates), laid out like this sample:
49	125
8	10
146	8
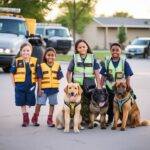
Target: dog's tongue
101	104
72	98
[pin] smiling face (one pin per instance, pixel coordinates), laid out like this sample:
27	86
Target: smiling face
26	52
50	57
73	90
82	48
115	52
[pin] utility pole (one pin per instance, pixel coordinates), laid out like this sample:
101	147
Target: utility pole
74	21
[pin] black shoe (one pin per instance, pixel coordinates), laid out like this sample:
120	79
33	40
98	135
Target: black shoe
36	124
109	122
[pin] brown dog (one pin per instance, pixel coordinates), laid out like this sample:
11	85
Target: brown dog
71	109
125	107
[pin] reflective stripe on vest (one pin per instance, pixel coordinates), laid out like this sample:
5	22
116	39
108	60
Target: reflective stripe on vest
116	73
49	79
83	69
20	74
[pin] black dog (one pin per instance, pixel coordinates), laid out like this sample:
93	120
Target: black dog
98	106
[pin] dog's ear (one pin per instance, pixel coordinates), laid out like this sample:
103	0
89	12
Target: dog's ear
66	89
79	90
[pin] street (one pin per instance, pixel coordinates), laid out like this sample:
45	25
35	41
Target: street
14	137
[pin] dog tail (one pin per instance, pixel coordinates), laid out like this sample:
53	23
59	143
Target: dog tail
145	123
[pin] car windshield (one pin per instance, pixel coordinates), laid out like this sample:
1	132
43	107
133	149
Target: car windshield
12	26
40	31
139	42
57	32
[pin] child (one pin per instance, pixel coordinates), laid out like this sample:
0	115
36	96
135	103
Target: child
24	77
114	68
49	74
83	67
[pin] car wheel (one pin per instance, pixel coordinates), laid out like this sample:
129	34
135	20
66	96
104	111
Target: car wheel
6	69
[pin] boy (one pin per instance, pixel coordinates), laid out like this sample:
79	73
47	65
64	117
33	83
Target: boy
114	68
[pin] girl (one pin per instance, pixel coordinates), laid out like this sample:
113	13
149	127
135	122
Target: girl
83	67
24	77
49	74
114	68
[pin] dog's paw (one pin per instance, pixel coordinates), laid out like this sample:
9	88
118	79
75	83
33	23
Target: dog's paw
76	131
113	128
132	126
122	129
90	127
66	130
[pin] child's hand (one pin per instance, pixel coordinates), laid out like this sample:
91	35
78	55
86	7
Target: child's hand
40	92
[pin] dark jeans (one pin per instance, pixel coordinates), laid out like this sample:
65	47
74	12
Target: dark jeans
110	107
85	102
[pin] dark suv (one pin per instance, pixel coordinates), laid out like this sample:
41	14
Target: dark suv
55	36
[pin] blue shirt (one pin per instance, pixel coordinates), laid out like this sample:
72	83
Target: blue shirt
127	69
27	84
50	91
96	65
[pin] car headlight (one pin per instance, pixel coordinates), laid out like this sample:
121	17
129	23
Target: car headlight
1	50
7	51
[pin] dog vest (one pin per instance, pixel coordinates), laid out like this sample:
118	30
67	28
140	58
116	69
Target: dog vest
50	79
114	73
83	68
72	106
20	74
121	102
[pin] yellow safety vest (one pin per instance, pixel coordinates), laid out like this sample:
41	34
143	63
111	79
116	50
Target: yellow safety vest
49	79
20	74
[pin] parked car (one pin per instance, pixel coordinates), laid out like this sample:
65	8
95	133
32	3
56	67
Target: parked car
138	47
55	36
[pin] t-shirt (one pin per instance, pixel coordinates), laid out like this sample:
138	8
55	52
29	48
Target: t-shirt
50	91
127	69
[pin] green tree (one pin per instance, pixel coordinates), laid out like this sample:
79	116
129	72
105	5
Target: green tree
76	14
122	14
30	8
121	35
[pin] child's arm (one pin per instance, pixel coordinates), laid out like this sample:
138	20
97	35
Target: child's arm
69	76
102	80
39	91
128	82
97	76
39	76
70	71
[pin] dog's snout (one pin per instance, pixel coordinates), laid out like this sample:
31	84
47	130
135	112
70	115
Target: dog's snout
72	93
120	90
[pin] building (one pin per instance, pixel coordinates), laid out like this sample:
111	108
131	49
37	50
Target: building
101	32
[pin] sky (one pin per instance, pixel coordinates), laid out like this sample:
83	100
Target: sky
136	8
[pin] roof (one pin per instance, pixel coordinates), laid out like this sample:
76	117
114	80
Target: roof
120	21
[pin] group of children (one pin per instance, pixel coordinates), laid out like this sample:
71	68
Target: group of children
26	71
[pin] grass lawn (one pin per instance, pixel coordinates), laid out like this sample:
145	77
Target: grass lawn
98	54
